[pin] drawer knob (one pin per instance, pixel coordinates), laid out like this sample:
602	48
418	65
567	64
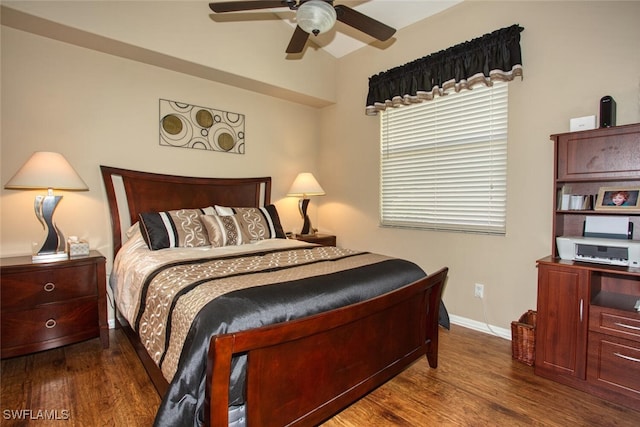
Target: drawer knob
48	287
50	324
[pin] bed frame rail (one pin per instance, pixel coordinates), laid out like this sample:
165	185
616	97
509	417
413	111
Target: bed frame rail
320	364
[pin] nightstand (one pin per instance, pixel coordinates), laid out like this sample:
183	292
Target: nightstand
50	304
321	239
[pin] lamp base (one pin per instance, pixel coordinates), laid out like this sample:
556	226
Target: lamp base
307	229
53	248
58	256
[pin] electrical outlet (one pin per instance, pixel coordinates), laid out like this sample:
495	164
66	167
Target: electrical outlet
479	290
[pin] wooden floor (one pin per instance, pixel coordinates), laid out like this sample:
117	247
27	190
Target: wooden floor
476	384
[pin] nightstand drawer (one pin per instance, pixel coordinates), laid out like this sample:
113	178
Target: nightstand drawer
49	326
29	289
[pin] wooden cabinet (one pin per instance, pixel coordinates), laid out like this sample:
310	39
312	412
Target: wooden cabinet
588	160
588	331
50	304
563	332
321	239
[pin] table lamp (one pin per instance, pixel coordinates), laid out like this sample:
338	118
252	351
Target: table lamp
305	185
47	170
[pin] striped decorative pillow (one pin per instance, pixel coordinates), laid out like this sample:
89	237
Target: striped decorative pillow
258	223
177	228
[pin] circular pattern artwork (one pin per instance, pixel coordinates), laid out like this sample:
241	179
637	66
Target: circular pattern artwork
191	126
225	141
204	118
172	125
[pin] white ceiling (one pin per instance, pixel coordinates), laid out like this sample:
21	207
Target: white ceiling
343	39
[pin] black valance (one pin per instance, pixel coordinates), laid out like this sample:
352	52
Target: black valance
494	56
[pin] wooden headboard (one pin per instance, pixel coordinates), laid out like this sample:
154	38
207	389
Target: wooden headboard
130	193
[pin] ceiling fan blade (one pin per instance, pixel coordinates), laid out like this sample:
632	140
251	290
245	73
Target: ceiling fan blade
235	6
364	23
298	40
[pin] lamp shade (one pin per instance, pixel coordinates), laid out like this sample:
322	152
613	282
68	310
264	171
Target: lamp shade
46	169
305	185
316	16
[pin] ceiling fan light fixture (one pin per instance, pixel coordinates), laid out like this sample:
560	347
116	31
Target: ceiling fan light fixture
316	16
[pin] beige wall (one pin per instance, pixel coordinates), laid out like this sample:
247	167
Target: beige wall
244	49
573	53
98	108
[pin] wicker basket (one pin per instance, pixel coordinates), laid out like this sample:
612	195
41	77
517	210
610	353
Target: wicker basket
523	338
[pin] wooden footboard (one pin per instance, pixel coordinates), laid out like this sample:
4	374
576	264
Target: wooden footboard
304	371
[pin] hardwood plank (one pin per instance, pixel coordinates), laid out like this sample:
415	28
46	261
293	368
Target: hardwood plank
476	383
95	387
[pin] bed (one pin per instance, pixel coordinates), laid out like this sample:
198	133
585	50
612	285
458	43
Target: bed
238	325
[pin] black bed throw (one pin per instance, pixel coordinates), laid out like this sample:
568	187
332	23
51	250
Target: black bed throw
259	306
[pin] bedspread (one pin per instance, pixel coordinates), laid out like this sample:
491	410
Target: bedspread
174	294
183	303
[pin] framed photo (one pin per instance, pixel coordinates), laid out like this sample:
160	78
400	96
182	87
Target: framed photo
621	199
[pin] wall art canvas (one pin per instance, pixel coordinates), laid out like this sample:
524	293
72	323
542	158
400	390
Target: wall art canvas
191	126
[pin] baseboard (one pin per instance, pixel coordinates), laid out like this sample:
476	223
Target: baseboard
480	326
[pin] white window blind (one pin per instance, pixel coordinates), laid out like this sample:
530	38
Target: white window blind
444	162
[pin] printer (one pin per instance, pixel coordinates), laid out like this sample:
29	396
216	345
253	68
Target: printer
620	252
605	240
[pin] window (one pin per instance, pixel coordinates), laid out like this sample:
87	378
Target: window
444	162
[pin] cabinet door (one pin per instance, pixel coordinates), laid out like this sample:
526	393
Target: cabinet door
562	324
601	153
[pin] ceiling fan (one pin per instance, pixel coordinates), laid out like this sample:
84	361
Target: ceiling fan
312	17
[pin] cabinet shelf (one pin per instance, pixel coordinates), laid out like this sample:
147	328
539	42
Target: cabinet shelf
587	161
594	212
615	300
634	177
